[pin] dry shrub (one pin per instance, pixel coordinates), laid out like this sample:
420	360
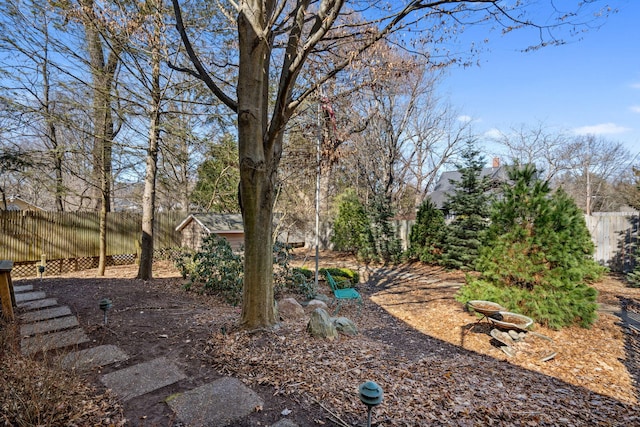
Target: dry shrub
34	394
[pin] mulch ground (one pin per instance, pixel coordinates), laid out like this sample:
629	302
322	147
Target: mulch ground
434	363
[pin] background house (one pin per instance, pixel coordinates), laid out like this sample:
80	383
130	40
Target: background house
445	186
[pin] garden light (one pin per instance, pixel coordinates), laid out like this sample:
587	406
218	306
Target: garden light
105	304
370	395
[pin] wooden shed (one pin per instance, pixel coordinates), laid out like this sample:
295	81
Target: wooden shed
196	227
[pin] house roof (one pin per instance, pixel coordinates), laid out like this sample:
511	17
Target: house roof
445	184
15	203
227	223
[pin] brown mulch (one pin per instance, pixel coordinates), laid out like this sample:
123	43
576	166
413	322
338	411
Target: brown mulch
435	363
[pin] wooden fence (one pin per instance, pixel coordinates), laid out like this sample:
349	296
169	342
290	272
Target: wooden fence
615	235
25	236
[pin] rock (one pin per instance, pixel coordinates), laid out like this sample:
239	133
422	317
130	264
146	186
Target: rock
316	303
289	309
345	325
514	335
320	325
322	297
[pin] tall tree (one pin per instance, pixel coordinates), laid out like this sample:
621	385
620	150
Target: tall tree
108	30
31	89
469	206
594	166
537	145
155	42
277	42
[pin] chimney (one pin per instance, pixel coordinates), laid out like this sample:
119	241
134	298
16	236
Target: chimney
496	162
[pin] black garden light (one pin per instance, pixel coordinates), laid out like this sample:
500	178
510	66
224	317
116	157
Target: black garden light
41	269
105	304
370	395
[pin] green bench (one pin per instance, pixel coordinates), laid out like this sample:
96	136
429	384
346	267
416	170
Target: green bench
342	294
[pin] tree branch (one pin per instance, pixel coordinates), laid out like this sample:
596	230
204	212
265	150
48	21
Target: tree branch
200	72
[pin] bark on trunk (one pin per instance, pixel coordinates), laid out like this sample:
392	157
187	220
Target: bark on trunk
102	75
145	268
257	175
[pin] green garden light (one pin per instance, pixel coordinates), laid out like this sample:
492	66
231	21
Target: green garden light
370	395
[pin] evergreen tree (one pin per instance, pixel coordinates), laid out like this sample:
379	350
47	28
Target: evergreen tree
218	176
469	204
387	246
351	230
537	256
426	236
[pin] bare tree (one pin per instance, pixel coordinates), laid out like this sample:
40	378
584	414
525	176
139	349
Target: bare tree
32	86
594	165
277	41
108	29
540	146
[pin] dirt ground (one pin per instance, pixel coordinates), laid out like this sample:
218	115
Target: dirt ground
435	363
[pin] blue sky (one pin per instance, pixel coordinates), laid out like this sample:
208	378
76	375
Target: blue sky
590	85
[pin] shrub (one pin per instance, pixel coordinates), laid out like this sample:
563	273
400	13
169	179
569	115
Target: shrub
286	278
553	306
537	256
217	268
425	239
344	277
183	260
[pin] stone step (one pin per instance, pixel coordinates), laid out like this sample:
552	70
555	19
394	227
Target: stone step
53	341
29	296
22	288
45	314
220	403
38	304
142	378
50	325
94	357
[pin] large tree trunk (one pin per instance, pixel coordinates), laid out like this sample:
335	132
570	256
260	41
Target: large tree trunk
258	167
102	75
102	157
149	201
145	268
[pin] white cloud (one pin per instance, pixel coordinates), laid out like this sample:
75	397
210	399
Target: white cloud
493	134
465	119
635	108
635	85
600	129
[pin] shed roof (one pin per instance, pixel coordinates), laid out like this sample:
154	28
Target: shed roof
228	223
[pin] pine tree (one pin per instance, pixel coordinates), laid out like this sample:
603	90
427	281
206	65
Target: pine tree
426	236
387	246
351	230
469	204
537	257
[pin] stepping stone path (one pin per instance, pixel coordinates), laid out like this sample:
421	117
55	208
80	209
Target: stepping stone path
47	326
